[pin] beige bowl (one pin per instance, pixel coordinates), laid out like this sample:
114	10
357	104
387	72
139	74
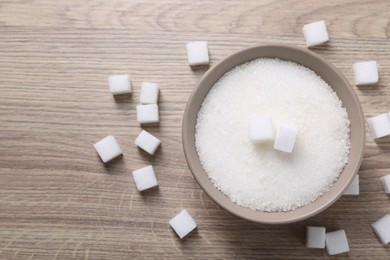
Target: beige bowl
327	72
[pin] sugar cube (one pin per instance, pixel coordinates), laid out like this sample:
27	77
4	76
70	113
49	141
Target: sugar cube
379	125
183	223
315	237
386	183
285	138
382	229
336	242
119	84
147	142
145	178
261	129
149	93
198	53
147	114
315	33
353	188
366	72
108	148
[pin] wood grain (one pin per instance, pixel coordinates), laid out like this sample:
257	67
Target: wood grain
58	201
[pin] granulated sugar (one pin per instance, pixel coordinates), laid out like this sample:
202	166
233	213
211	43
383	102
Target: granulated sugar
256	175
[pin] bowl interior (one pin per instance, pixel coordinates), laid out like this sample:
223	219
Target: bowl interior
328	73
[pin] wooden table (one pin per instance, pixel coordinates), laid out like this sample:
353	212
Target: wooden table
59	201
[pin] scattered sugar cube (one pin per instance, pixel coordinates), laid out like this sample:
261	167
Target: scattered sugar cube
198	53
147	114
149	93
147	142
382	229
108	148
336	242
315	237
145	178
315	33
366	72
386	183
119	84
261	129
379	125
183	223
285	138
353	188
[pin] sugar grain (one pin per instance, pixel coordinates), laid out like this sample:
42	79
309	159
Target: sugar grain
256	175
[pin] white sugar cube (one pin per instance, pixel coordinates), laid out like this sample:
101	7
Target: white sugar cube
198	53
336	242
285	138
261	129
145	178
108	148
119	84
366	72
147	114
386	183
183	223
379	125
315	237
382	229
147	142
315	33
353	188
149	93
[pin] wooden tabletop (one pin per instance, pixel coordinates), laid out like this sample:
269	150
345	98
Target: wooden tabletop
59	201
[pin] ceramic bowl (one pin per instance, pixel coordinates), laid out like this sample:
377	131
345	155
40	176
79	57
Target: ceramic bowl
328	73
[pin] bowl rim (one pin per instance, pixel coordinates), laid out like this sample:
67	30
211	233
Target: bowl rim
189	150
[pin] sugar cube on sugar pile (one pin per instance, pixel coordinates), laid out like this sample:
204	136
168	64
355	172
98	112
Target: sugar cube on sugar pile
386	183
147	114
183	223
315	33
149	93
261	129
315	237
353	188
365	72
285	138
336	242
145	178
382	229
198	53
379	125
147	142
108	148
119	84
